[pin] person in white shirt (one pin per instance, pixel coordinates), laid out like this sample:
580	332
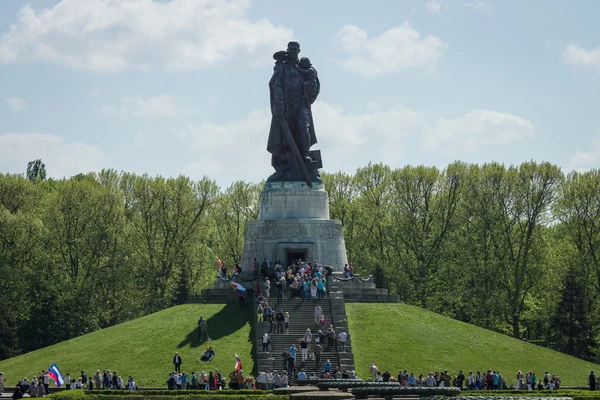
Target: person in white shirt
267	288
318	313
470	381
430	381
131	383
284	380
265	341
342	337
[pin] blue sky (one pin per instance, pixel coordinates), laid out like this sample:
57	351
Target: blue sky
171	87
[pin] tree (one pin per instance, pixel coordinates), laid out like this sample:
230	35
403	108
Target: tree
423	204
231	212
574	323
36	170
525	196
578	208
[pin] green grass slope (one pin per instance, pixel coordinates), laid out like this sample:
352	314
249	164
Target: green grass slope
145	346
399	336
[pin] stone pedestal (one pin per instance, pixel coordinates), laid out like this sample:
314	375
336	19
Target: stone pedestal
294	223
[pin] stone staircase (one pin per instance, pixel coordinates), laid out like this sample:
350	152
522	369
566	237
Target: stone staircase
301	318
340	291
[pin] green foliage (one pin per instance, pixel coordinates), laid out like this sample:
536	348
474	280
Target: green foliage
144	347
166	395
36	170
403	337
538	394
146	392
490	244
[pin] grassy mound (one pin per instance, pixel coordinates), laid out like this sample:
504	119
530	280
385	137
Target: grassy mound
144	347
399	336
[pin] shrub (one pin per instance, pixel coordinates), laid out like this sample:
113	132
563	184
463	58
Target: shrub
165	395
378	389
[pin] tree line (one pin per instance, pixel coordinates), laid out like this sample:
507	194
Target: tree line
508	248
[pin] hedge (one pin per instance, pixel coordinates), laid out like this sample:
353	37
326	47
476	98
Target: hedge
574	394
246	392
312	382
167	395
501	398
378	389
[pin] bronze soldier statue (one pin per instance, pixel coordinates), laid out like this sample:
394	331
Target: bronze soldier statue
294	87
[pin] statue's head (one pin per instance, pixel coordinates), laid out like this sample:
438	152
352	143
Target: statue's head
304	63
293	49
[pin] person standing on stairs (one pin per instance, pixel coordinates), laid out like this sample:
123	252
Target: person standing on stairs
280	289
267	288
286	322
266	339
304	348
285	355
280	319
318	349
318	313
342	337
331	336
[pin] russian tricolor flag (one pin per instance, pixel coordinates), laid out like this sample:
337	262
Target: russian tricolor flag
54	373
241	291
238	363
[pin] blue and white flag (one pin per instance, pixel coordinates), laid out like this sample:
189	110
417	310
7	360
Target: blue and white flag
54	373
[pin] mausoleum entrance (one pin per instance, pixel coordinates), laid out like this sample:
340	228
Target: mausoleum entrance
292	255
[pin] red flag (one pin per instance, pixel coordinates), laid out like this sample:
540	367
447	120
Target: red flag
238	363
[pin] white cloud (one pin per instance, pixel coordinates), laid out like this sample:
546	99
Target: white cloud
233	150
113	35
396	49
15	103
158	107
62	158
580	57
586	160
230	151
481	5
434	7
476	129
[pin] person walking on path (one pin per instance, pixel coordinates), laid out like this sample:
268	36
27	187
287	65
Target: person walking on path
177	362
592	381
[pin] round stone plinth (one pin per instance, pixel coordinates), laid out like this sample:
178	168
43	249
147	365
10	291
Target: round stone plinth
294	200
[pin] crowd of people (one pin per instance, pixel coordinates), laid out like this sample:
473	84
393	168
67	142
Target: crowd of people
302	278
38	386
209	381
488	380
